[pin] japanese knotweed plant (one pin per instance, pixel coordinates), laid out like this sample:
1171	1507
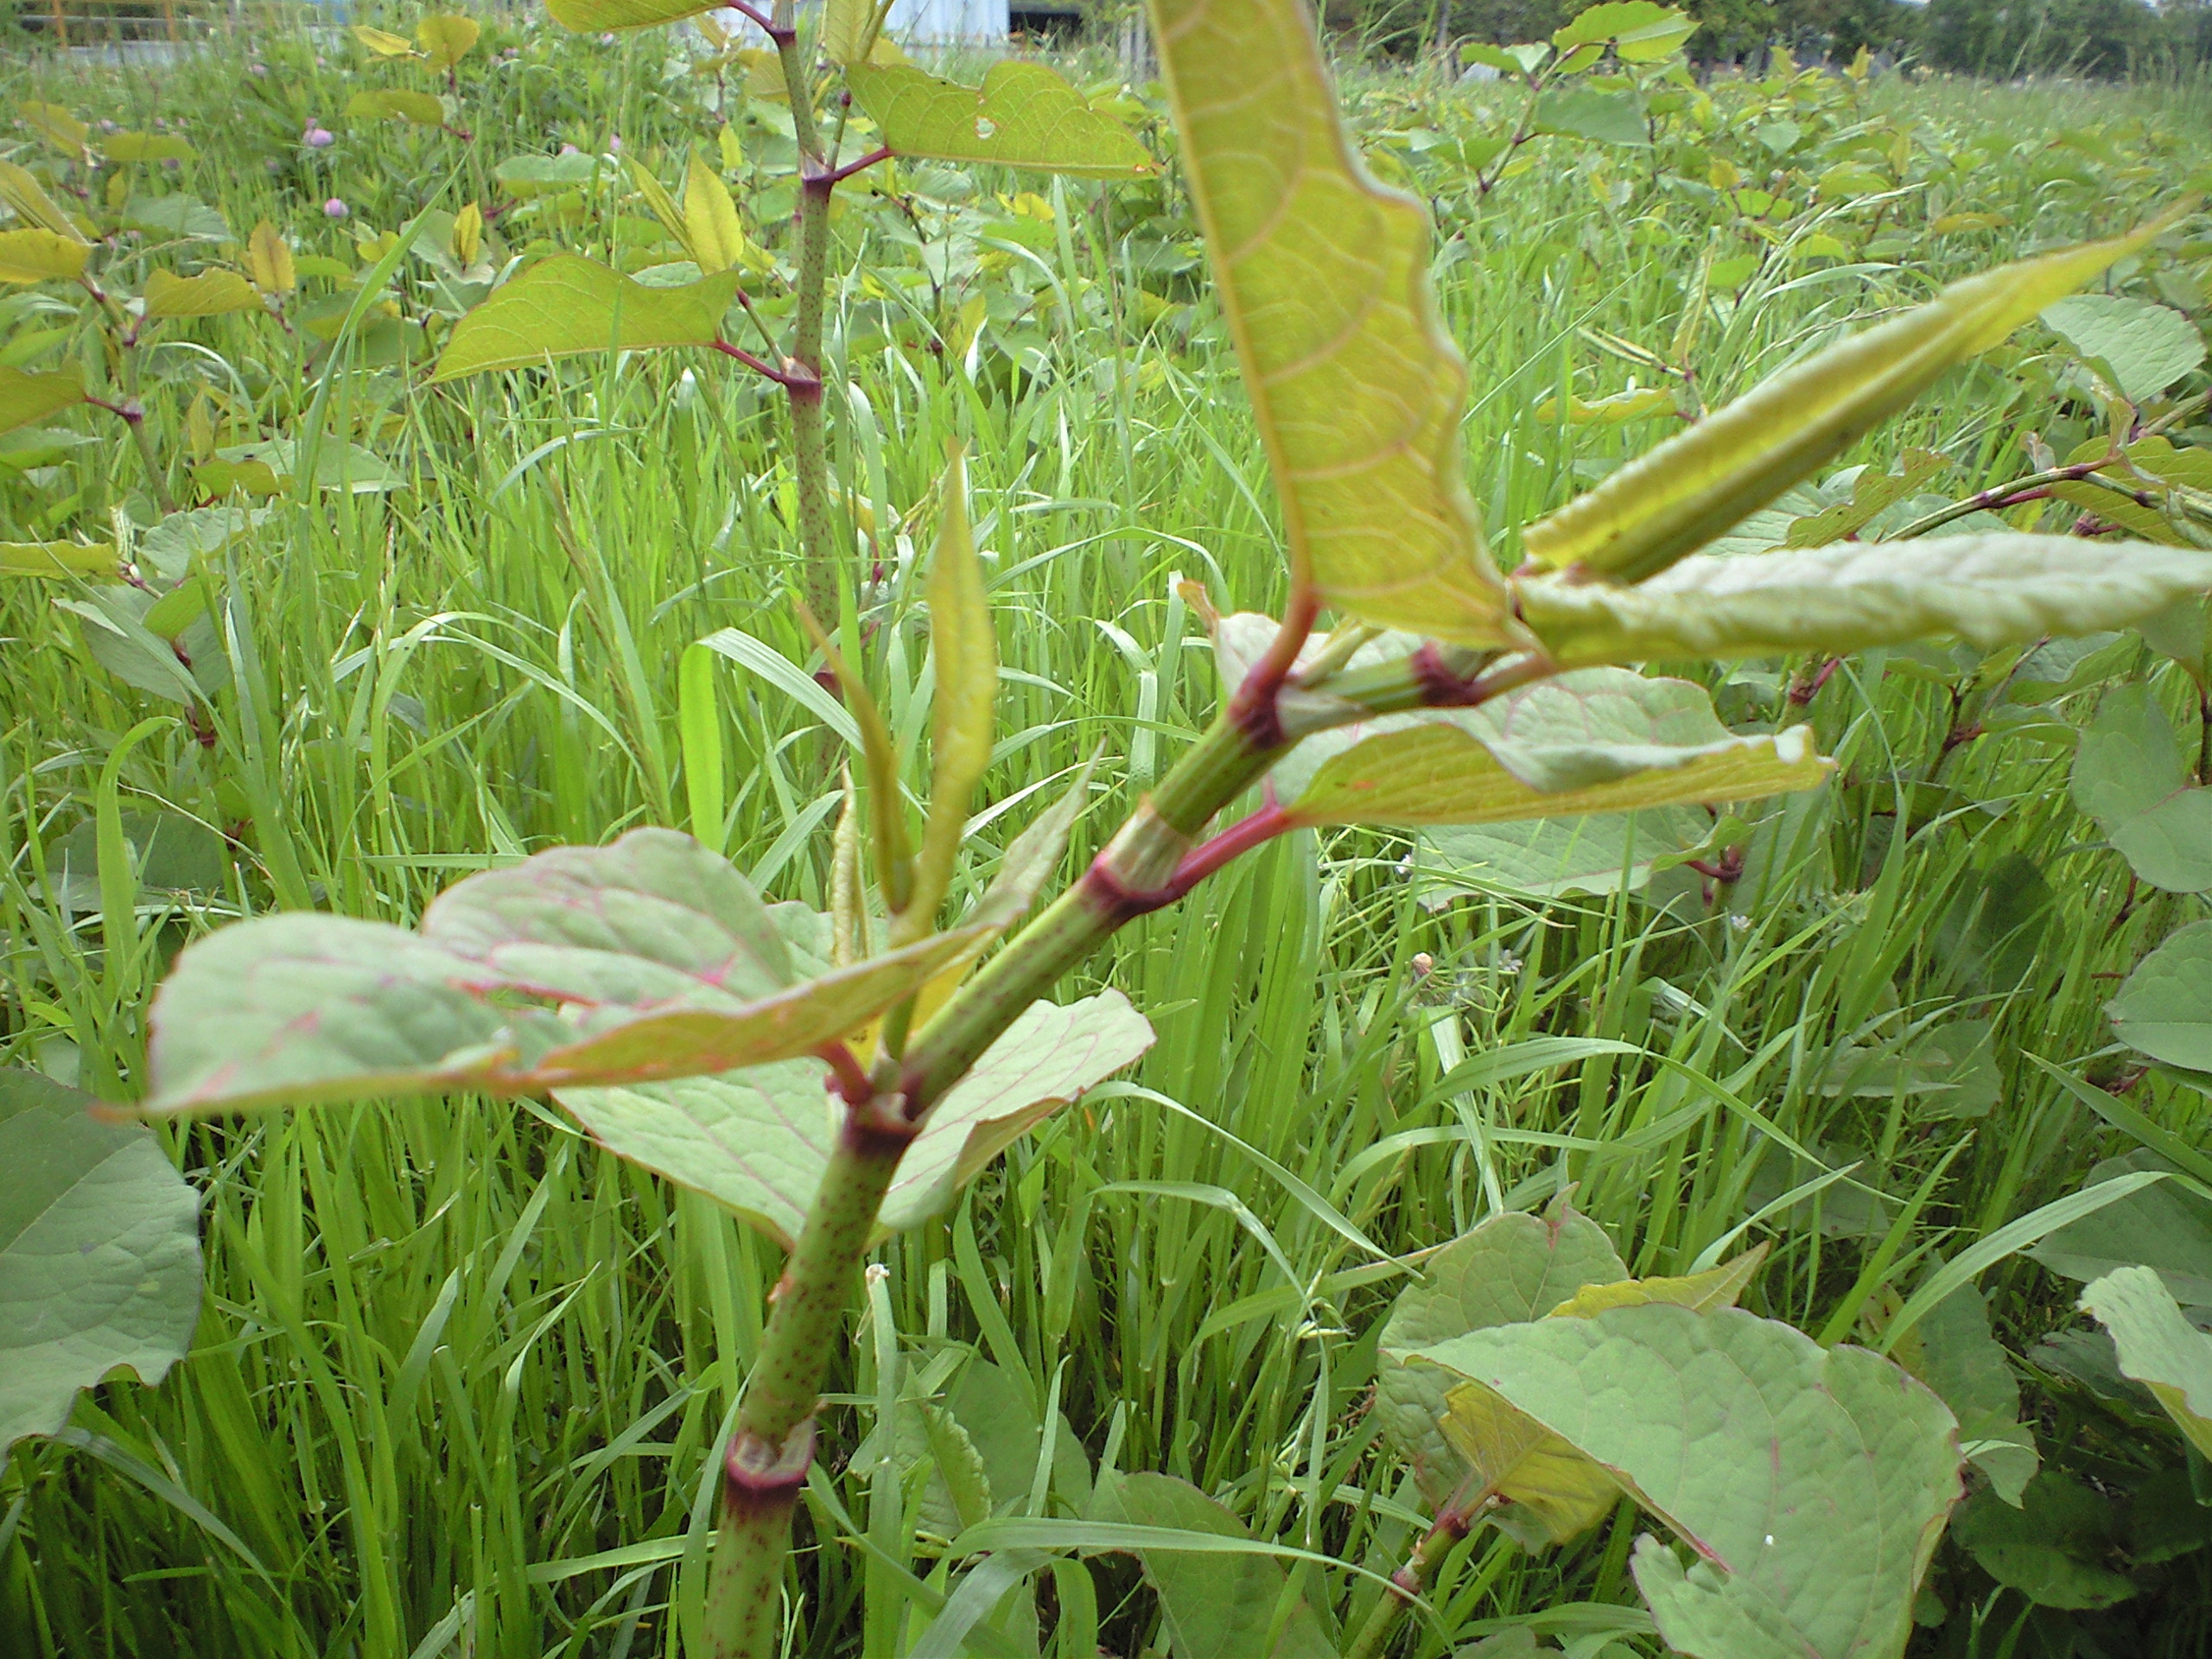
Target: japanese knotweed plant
835	1077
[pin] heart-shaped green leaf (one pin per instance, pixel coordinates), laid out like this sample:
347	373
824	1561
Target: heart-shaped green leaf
209	294
2131	776
658	959
1323	275
1990	590
1602	740
1688	490
2165	1008
1812	1482
567	304
99	1254
1023	115
757	1140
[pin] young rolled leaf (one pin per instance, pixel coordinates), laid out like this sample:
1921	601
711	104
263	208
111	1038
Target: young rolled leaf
964	716
1812	1484
714	231
1322	274
1024	115
2157	1347
99	1254
1673	500
1594	741
569	305
756	1141
27	397
1990	590
654	955
210	294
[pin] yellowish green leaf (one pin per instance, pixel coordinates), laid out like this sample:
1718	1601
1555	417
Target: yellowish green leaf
1701	1293
24	193
848	29
209	294
1519	1460
1617	411
964	715
27	397
57	559
1603	742
269	260
1990	590
423	109
446	39
384	43
567	304
40	256
1678	496
2157	1347
146	147
1323	275
716	235
664	206
63	130
467	241
590	16
1023	115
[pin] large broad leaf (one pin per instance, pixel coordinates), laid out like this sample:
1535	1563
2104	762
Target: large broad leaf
26	396
1584	112
397	103
2157	1347
39	255
1546	858
1685	493
2146	347
1323	276
2052	1547
1511	1455
2131	776
1639	31
1212	1604
1511	1268
1023	115
210	294
99	1254
567	304
2164	1225
2165	1008
757	1140
1992	590
657	957
1603	741
594	15
1812	1484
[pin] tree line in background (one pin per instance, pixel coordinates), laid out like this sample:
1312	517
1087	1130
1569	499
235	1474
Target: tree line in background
2000	38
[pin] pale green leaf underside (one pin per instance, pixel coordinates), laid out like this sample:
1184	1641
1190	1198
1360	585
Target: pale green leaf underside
1813	1483
2157	1347
1023	115
1323	276
660	960
1678	496
1600	740
2165	1006
757	1140
1990	590
1511	1268
592	15
99	1254
567	304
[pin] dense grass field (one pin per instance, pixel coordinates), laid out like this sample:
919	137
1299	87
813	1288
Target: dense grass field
460	1373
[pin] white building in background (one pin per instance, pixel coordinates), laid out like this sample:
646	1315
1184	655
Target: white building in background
944	22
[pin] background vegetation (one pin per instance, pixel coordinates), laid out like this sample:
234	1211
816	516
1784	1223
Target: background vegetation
460	1373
